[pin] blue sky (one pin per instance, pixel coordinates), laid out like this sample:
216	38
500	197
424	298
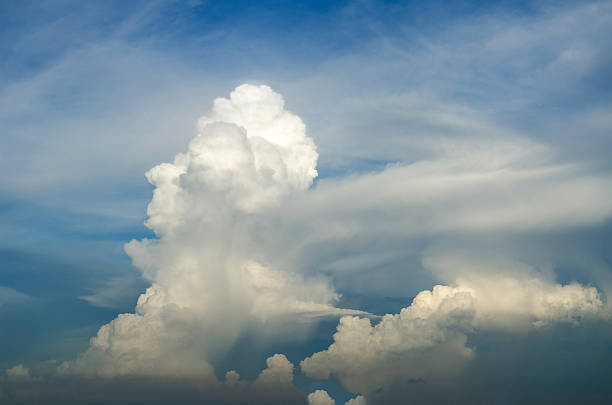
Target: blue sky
459	144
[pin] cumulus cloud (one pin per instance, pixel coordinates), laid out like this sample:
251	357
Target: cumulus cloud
321	397
358	400
427	341
456	213
210	278
249	153
278	372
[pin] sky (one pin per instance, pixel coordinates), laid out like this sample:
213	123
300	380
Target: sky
335	202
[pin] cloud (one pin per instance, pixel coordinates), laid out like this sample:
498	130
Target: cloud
468	185
358	400
427	341
210	280
461	213
321	397
469	195
278	372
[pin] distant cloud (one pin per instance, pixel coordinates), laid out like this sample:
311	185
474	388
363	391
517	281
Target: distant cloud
321	397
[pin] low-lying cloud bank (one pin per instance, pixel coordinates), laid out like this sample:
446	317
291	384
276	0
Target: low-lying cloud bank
242	239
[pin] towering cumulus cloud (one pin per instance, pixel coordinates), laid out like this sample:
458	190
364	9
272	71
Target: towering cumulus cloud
209	275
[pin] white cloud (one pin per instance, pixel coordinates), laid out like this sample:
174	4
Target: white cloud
472	193
245	159
279	371
321	397
428	339
470	185
209	280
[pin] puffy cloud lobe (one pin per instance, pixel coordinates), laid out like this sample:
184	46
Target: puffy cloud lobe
154	344
427	340
321	397
260	111
278	372
358	400
363	356
248	154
